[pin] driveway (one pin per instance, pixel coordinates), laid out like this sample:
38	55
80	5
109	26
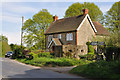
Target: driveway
14	69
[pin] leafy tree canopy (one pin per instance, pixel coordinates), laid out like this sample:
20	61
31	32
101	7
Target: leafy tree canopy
76	9
112	18
34	29
3	38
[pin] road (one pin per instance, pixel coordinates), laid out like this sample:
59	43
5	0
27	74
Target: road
14	69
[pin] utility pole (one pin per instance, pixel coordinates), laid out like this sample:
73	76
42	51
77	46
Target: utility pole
22	30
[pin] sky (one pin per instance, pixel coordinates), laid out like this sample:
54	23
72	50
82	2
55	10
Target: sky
11	12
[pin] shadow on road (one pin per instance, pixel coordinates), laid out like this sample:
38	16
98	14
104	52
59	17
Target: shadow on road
41	74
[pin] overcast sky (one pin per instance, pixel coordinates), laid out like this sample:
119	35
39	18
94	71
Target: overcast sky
13	10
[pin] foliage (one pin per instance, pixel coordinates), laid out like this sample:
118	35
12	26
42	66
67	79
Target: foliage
18	52
101	70
33	54
50	61
34	29
76	9
13	46
109	53
44	54
3	38
90	55
112	18
4	47
90	48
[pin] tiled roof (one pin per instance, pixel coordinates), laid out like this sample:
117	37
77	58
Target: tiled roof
65	24
100	29
71	24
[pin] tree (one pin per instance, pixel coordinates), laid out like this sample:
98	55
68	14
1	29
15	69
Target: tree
4	47
34	29
112	18
76	9
3	38
112	21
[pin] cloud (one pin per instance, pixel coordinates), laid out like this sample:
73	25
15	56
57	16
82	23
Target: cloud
11	19
59	0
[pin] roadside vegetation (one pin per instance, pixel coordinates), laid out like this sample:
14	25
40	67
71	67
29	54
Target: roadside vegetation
4	47
47	59
99	70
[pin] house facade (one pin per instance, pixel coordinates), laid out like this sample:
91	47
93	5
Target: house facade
69	35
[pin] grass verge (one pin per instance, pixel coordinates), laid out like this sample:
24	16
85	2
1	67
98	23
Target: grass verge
100	70
46	61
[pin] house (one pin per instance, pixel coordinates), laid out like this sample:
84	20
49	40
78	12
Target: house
69	35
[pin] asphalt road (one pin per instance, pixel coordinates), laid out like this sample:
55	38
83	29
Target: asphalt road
14	69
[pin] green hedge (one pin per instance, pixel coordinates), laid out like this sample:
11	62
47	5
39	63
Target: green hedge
109	53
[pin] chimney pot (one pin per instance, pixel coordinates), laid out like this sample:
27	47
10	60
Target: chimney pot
85	11
55	18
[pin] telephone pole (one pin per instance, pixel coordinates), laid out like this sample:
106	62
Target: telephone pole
22	30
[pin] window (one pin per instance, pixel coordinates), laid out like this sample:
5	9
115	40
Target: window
69	36
50	38
59	36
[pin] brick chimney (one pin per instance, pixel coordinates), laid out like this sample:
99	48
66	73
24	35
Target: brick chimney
85	11
55	18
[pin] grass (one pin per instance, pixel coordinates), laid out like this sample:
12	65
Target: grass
99	70
47	61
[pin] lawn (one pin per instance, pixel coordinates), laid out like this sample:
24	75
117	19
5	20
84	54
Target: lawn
100	70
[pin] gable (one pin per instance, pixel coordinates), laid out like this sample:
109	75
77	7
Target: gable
87	17
85	33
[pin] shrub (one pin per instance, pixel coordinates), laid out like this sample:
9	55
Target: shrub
109	53
44	54
18	52
52	54
33	54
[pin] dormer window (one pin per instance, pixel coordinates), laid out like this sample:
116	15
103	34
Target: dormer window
69	36
59	36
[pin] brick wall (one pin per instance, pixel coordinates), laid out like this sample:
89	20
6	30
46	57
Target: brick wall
62	40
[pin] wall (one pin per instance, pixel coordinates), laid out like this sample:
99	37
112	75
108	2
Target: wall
85	33
75	50
62	40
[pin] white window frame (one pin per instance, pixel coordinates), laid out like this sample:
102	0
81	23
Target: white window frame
50	38
59	36
69	36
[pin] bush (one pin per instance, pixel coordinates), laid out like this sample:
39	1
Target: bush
33	55
18	52
44	54
109	53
